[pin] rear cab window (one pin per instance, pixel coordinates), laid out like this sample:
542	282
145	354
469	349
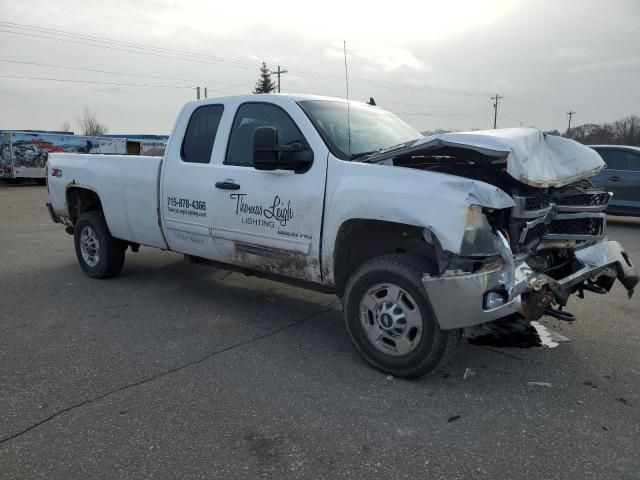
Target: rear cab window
200	135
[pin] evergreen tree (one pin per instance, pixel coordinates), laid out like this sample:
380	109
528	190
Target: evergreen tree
265	84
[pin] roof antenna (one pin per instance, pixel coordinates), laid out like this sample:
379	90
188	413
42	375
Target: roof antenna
372	102
346	78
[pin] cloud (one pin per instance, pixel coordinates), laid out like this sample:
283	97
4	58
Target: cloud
389	58
572	54
620	64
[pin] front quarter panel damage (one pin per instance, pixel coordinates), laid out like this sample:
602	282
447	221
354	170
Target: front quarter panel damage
434	201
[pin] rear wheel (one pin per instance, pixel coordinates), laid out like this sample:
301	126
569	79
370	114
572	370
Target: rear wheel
390	320
99	254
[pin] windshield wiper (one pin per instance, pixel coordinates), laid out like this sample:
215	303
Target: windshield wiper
362	154
383	150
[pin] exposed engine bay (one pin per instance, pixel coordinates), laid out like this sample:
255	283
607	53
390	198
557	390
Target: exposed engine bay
542	218
544	228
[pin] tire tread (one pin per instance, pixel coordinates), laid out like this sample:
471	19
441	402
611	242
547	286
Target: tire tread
413	268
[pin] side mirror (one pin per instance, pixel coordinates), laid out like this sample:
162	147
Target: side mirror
269	155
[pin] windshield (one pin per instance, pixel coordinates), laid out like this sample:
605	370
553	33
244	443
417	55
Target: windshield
372	129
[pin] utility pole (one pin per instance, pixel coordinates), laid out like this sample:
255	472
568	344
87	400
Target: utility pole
205	92
570	114
198	93
278	72
495	110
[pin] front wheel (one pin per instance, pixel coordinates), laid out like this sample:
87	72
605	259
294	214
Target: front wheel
390	320
99	254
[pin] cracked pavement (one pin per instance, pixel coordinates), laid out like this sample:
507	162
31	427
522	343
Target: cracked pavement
179	371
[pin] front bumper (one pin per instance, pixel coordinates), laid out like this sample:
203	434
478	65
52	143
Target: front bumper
457	300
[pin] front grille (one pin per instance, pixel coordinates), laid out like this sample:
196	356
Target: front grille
576	227
530	206
535	203
535	233
586	199
580	199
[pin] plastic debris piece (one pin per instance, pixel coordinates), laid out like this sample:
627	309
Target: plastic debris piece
468	373
538	384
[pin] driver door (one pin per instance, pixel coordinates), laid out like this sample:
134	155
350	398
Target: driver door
270	220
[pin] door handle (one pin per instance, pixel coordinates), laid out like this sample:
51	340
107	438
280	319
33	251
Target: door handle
228	185
615	179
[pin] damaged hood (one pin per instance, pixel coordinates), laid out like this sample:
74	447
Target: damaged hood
533	158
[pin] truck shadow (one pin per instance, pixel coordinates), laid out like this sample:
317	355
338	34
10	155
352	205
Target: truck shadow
263	304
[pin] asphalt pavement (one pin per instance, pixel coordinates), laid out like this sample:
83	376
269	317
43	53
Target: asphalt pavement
178	371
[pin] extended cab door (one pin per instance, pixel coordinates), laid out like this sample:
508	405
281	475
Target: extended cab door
186	193
270	220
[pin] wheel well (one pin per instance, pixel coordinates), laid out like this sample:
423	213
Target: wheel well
80	200
360	240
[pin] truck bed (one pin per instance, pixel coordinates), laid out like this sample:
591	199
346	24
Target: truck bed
126	184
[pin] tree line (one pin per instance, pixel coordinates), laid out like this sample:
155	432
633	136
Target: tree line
625	131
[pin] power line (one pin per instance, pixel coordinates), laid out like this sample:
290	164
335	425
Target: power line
143	49
226	61
441	107
183	87
425	114
120	84
97	39
127	74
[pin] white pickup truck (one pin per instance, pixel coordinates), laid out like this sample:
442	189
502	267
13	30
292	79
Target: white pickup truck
420	236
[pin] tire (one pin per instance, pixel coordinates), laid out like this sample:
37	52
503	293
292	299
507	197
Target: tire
99	254
411	343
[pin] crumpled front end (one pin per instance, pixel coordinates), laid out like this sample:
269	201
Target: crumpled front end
507	286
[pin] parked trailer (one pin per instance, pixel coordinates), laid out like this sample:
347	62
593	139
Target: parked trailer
24	154
144	144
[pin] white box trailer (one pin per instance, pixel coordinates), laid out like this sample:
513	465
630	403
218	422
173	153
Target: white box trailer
23	154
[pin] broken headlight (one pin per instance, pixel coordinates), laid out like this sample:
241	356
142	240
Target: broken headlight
478	239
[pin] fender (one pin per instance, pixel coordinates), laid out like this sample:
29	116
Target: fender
435	201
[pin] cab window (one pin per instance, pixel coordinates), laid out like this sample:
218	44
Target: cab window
251	116
201	133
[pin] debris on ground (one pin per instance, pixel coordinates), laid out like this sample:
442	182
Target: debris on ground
513	333
624	401
589	383
468	373
389	377
454	418
538	384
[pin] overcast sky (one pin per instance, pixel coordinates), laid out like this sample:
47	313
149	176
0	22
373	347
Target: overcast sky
435	63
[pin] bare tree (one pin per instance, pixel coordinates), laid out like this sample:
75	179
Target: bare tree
65	127
626	131
89	124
